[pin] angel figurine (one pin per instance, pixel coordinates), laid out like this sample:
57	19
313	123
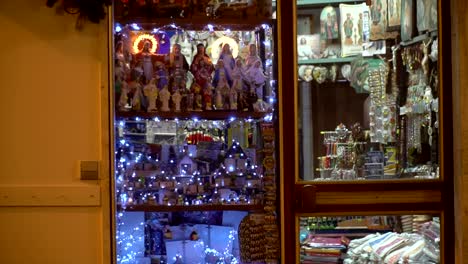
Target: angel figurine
164	96
151	93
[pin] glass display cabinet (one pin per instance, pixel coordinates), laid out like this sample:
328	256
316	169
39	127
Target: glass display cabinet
195	132
372	164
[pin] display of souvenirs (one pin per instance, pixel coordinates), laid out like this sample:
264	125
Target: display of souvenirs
376	239
233	83
352	28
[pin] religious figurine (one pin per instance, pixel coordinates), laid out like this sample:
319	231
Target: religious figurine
207	95
176	98
196	91
222	74
201	67
161	75
227	58
256	79
218	99
164	96
178	68
252	57
151	93
135	90
123	99
425	60
238	76
233	99
190	101
147	61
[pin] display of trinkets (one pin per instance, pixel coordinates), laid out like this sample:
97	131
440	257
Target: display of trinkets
154	78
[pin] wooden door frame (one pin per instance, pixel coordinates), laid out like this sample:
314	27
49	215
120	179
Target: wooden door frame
287	104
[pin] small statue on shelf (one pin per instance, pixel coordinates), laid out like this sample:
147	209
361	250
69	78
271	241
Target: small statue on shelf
164	96
161	77
218	99
196	91
146	58
227	58
252	58
178	67
176	98
124	91
238	76
221	82
201	67
256	79
425	60
151	93
135	86
207	97
233	99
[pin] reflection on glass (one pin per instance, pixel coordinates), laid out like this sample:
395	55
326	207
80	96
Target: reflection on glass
368	104
370	239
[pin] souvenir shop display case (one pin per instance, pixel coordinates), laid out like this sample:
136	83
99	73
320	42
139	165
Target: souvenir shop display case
195	132
370	154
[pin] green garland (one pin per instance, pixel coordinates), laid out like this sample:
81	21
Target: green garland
90	10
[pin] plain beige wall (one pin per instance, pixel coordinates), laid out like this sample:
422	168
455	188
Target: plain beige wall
50	112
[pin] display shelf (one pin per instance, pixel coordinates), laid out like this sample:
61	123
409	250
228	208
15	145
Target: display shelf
210	115
325	2
182	208
197	23
326	61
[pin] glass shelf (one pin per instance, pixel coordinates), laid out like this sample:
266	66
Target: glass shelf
180	208
327	61
210	115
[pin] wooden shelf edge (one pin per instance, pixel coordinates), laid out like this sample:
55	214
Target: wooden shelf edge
182	208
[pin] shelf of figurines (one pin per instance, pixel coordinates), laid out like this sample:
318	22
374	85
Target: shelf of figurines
208	115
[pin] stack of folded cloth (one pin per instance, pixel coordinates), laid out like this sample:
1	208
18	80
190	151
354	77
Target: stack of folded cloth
411	223
323	250
389	248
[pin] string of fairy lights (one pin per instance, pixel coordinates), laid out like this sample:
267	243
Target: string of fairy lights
130	235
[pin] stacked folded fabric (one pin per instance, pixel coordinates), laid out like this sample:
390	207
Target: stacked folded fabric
323	250
391	248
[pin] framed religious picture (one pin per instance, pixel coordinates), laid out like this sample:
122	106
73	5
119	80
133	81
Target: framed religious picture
432	15
378	23
426	15
421	15
328	24
393	15
407	20
352	28
308	47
